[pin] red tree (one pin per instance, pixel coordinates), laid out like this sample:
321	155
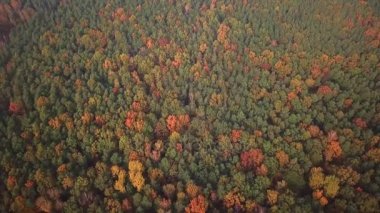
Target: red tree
360	122
15	108
324	90
130	119
235	135
197	205
177	123
251	159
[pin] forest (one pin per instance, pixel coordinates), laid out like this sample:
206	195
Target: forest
190	106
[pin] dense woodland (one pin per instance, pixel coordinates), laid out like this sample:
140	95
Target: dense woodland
190	106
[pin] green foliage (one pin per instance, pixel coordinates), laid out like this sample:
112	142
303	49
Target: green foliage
184	88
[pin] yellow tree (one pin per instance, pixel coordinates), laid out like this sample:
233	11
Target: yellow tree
135	174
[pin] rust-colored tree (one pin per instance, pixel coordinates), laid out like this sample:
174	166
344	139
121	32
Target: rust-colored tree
197	205
333	150
251	159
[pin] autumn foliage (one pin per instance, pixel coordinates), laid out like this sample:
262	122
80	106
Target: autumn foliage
197	205
324	90
192	189
44	205
251	159
120	174
177	122
314	130
15	108
135	174
234	199
282	158
333	150
235	135
360	122
272	197
323	186
189	106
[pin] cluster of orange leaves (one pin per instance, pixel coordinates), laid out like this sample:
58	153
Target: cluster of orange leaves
323	186
112	205
135	174
165	203
43	204
29	184
64	118
284	66
251	159
99	120
215	99
197	205
317	71
67	182
15	108
316	182
314	131
318	195
176	123
333	149
55	123
156	174
324	90
120	173
360	122
374	155
86	118
203	47
62	168
348	175
42	101
134	118
262	170
272	196
177	60
292	95
348	102
132	122
222	33
98	36
149	43
282	158
235	135
119	14
258	133
109	65
11	182
192	189
263	60
196	70
373	33
233	199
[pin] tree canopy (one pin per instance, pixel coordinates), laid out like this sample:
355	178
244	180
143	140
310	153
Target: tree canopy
189	106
